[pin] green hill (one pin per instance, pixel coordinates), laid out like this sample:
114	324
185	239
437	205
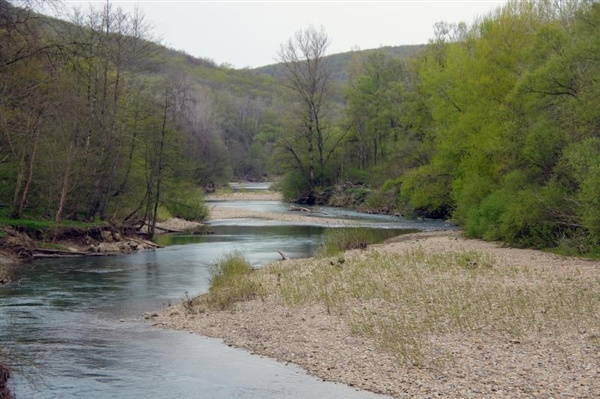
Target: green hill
339	62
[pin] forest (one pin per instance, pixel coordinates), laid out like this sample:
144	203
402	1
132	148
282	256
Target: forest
493	125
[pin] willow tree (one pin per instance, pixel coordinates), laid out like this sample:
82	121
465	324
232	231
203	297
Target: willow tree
310	141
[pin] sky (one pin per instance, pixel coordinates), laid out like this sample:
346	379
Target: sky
248	33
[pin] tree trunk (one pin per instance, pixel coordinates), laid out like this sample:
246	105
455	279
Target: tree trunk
63	194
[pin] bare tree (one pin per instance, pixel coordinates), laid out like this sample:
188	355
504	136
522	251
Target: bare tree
20	30
309	79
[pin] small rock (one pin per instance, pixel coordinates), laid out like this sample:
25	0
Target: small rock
106	236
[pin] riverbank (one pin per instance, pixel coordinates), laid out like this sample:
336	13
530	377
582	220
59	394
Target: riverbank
66	241
258	195
428	314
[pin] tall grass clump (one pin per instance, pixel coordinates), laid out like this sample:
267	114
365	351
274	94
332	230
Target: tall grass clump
231	281
346	238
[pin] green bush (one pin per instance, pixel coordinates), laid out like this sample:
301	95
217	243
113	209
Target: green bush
520	216
357	176
589	202
187	203
427	190
293	186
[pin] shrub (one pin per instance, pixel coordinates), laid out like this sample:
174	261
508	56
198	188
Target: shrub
385	199
187	203
293	186
427	190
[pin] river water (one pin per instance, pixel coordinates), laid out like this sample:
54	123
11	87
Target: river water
73	327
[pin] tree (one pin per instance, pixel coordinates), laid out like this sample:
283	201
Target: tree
311	142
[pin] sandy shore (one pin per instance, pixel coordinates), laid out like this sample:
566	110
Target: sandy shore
261	195
480	364
231	212
296	217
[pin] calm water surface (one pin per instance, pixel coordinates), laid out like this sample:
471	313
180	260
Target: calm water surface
76	324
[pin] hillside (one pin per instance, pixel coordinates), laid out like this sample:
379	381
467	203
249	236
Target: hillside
339	62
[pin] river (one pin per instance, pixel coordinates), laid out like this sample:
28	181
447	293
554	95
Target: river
74	327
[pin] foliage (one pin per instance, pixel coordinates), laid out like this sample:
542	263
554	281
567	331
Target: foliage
293	186
341	62
98	123
187	203
492	125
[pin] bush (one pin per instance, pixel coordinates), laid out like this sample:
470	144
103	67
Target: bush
293	186
427	190
385	200
521	217
187	203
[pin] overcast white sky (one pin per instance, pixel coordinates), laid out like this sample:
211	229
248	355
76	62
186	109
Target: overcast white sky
248	33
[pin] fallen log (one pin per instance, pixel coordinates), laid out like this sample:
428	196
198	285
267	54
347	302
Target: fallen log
283	255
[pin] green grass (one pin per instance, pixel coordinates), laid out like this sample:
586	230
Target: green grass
405	300
346	238
232	280
30	223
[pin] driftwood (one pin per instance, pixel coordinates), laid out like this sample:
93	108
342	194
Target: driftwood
167	230
295	208
283	255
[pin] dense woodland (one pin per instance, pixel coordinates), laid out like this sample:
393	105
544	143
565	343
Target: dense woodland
493	125
100	123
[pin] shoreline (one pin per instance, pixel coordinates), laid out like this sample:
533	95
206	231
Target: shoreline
484	363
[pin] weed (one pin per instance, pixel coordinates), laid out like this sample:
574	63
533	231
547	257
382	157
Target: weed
231	281
404	300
